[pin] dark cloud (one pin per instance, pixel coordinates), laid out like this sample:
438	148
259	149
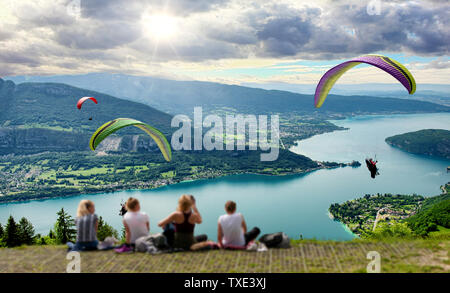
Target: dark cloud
195	51
18	57
132	9
438	64
415	28
286	36
98	35
5	35
231	34
32	15
112	10
346	30
186	7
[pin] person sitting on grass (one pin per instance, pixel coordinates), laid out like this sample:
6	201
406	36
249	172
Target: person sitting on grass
87	226
232	229
136	223
183	221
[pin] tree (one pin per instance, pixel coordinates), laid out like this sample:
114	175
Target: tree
64	227
11	235
124	234
2	244
25	232
105	230
386	230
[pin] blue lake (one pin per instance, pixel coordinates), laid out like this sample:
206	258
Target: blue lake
296	204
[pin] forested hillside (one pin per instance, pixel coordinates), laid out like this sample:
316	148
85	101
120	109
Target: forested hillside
53	106
432	142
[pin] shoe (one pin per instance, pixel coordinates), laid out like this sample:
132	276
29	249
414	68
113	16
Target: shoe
261	247
108	243
124	249
252	246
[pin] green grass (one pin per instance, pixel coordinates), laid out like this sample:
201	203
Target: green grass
168	174
441	233
313	256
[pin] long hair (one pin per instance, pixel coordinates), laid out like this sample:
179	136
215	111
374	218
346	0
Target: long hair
184	203
83	208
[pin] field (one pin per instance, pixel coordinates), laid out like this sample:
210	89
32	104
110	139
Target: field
43	175
419	256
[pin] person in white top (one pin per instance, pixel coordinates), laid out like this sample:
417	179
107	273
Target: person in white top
232	229
137	223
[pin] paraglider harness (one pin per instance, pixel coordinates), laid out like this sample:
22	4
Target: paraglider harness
372	166
123	209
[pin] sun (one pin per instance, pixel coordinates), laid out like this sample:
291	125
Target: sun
160	26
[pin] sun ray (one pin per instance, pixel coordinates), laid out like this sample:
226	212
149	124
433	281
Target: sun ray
161	27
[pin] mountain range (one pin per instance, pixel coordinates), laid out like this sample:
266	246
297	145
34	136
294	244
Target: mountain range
180	97
42	116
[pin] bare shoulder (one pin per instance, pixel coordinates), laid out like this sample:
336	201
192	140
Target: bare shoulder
177	216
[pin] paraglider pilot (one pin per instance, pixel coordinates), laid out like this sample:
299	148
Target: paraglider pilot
372	166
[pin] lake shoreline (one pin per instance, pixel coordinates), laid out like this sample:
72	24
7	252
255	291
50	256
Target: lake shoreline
112	190
344	226
304	195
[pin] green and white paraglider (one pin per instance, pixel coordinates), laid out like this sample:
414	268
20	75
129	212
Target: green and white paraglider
112	126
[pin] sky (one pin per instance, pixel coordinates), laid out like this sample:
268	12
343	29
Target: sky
228	41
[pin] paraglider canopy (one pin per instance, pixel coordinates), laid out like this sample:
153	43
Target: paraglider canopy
84	99
389	65
112	126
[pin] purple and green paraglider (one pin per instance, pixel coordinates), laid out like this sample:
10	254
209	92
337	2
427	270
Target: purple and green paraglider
389	65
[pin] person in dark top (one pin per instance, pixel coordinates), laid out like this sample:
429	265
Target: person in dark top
372	166
182	223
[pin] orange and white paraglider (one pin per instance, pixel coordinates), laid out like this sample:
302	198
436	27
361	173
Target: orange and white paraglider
84	99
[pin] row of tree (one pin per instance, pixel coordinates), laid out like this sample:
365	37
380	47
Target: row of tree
15	234
23	233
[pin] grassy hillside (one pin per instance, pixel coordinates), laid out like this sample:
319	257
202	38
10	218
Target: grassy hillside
432	142
434	213
302	257
404	216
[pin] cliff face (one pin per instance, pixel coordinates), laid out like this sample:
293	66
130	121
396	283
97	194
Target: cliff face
35	140
128	143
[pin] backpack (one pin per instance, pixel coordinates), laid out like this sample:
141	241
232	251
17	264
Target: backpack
275	240
152	243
